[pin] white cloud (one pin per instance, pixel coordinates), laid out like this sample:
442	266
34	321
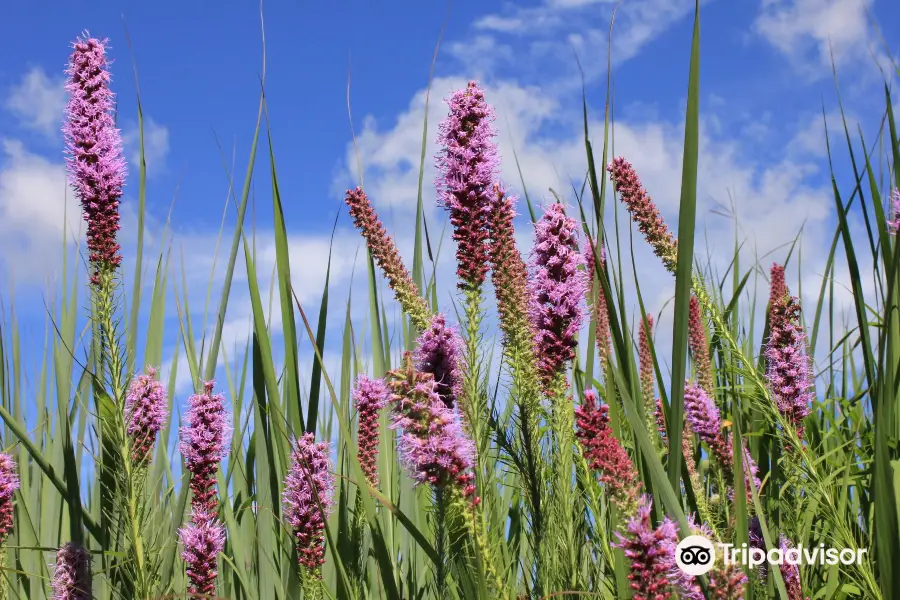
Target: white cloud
156	146
38	101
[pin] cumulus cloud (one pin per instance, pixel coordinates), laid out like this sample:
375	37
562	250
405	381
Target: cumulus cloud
156	145
38	101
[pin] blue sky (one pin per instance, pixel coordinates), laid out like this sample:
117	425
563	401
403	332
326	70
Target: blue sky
766	75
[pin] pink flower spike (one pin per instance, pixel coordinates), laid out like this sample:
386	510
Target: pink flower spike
146	411
9	483
72	576
309	498
370	396
204	443
203	539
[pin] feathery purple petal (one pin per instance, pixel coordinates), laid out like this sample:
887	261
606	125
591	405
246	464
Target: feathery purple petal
146	411
308	499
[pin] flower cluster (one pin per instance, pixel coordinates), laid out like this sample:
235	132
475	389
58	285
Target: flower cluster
604	453
724	582
894	221
778	290
699	346
649	552
643	211
645	365
557	287
433	445
204	443
94	159
370	396
386	255
439	352
9	483
604	339
789	370
203	539
146	411
72	576
308	499
468	164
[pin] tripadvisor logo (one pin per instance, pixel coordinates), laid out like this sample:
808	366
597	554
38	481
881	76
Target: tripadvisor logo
696	555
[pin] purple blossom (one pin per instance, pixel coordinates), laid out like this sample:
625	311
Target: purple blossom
72	576
203	539
94	160
790	573
894	222
439	352
558	288
146	411
649	552
468	164
308	499
204	443
9	483
370	396
699	346
789	369
433	445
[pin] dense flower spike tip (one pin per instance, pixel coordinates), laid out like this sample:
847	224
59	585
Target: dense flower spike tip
204	443
387	257
699	346
439	352
557	287
9	483
643	211
703	416
146	411
468	164
94	159
72	576
778	289
308	499
604	453
433	445
370	396
645	362
789	368
203	540
894	222
648	551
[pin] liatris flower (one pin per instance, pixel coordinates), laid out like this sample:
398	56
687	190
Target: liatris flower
9	483
145	414
645	362
370	396
308	499
724	582
699	346
468	164
649	552
385	254
894	222
432	445
703	416
72	576
789	371
643	211
557	289
94	147
203	539
778	289
439	353
604	340
790	573
604	453
204	443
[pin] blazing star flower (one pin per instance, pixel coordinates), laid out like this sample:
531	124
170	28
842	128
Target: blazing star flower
94	160
724	582
645	362
72	576
9	483
604	339
699	347
433	445
604	453
439	352
557	288
386	256
309	498
203	539
790	573
789	370
778	289
146	411
643	211
649	552
468	164
894	223
204	443
370	396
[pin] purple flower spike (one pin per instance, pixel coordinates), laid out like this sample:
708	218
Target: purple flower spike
370	396
146	411
308	499
94	147
203	539
649	552
894	223
789	370
439	352
558	287
703	416
790	573
204	443
9	483
468	164
72	576
433	445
